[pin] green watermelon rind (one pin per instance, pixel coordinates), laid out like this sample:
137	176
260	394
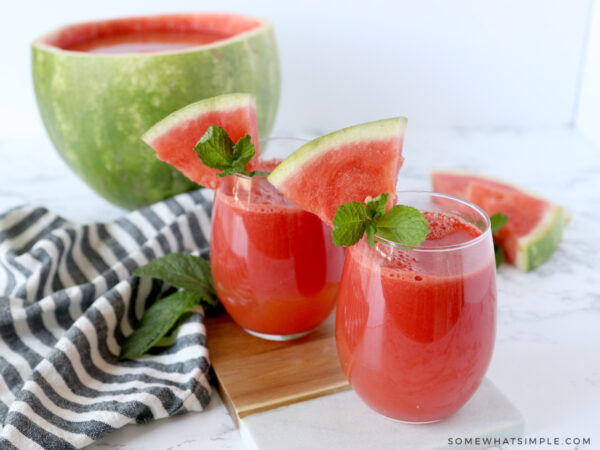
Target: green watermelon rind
536	247
370	131
96	107
225	102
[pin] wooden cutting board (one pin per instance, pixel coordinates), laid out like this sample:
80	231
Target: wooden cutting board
255	375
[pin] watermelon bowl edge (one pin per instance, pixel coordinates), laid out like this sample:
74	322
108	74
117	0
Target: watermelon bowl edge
96	107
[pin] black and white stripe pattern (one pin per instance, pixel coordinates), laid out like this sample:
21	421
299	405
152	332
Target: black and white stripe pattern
68	299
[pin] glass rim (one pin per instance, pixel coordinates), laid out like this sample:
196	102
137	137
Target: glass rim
284	138
444	248
274	139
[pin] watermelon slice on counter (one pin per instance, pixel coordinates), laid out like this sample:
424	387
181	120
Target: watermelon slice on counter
173	138
347	165
534	227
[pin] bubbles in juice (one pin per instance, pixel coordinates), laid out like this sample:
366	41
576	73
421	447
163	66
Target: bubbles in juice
446	229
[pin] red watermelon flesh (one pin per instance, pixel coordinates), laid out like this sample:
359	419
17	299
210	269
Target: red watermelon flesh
173	139
456	182
534	227
266	165
524	213
347	165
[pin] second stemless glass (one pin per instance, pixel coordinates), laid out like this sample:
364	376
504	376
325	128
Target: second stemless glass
415	326
275	267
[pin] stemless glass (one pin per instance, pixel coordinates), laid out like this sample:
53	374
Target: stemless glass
415	326
275	267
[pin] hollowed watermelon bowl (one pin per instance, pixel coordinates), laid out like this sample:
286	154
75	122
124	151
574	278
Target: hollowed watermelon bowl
96	107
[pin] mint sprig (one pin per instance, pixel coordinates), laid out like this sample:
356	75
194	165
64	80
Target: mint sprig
498	220
160	323
402	224
183	271
349	223
157	321
218	151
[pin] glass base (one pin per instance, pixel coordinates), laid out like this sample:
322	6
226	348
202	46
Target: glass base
405	422
277	337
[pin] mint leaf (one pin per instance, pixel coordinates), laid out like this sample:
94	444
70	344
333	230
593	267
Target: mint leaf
157	321
231	171
404	225
401	224
217	151
376	207
243	151
183	271
170	338
371	229
498	254
349	223
498	221
215	148
258	173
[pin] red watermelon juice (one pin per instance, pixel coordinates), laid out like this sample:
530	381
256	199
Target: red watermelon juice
146	41
415	327
150	34
275	267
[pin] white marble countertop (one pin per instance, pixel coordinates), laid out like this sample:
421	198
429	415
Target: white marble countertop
547	355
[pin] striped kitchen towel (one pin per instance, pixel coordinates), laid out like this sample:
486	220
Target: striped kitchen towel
68	299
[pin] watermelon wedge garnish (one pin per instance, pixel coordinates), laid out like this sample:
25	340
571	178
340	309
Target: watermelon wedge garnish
534	227
173	138
347	165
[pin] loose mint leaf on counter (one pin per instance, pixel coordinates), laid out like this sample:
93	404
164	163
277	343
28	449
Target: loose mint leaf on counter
157	321
349	223
218	151
404	225
183	271
498	221
160	322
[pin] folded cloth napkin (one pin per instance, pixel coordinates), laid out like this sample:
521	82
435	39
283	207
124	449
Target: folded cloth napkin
68	300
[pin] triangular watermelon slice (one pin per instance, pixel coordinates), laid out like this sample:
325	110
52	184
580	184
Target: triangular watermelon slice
534	227
173	138
347	165
456	182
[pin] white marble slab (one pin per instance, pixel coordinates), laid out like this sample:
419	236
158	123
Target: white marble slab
211	429
343	422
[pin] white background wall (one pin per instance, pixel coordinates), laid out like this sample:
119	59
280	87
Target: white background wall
588	119
466	63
